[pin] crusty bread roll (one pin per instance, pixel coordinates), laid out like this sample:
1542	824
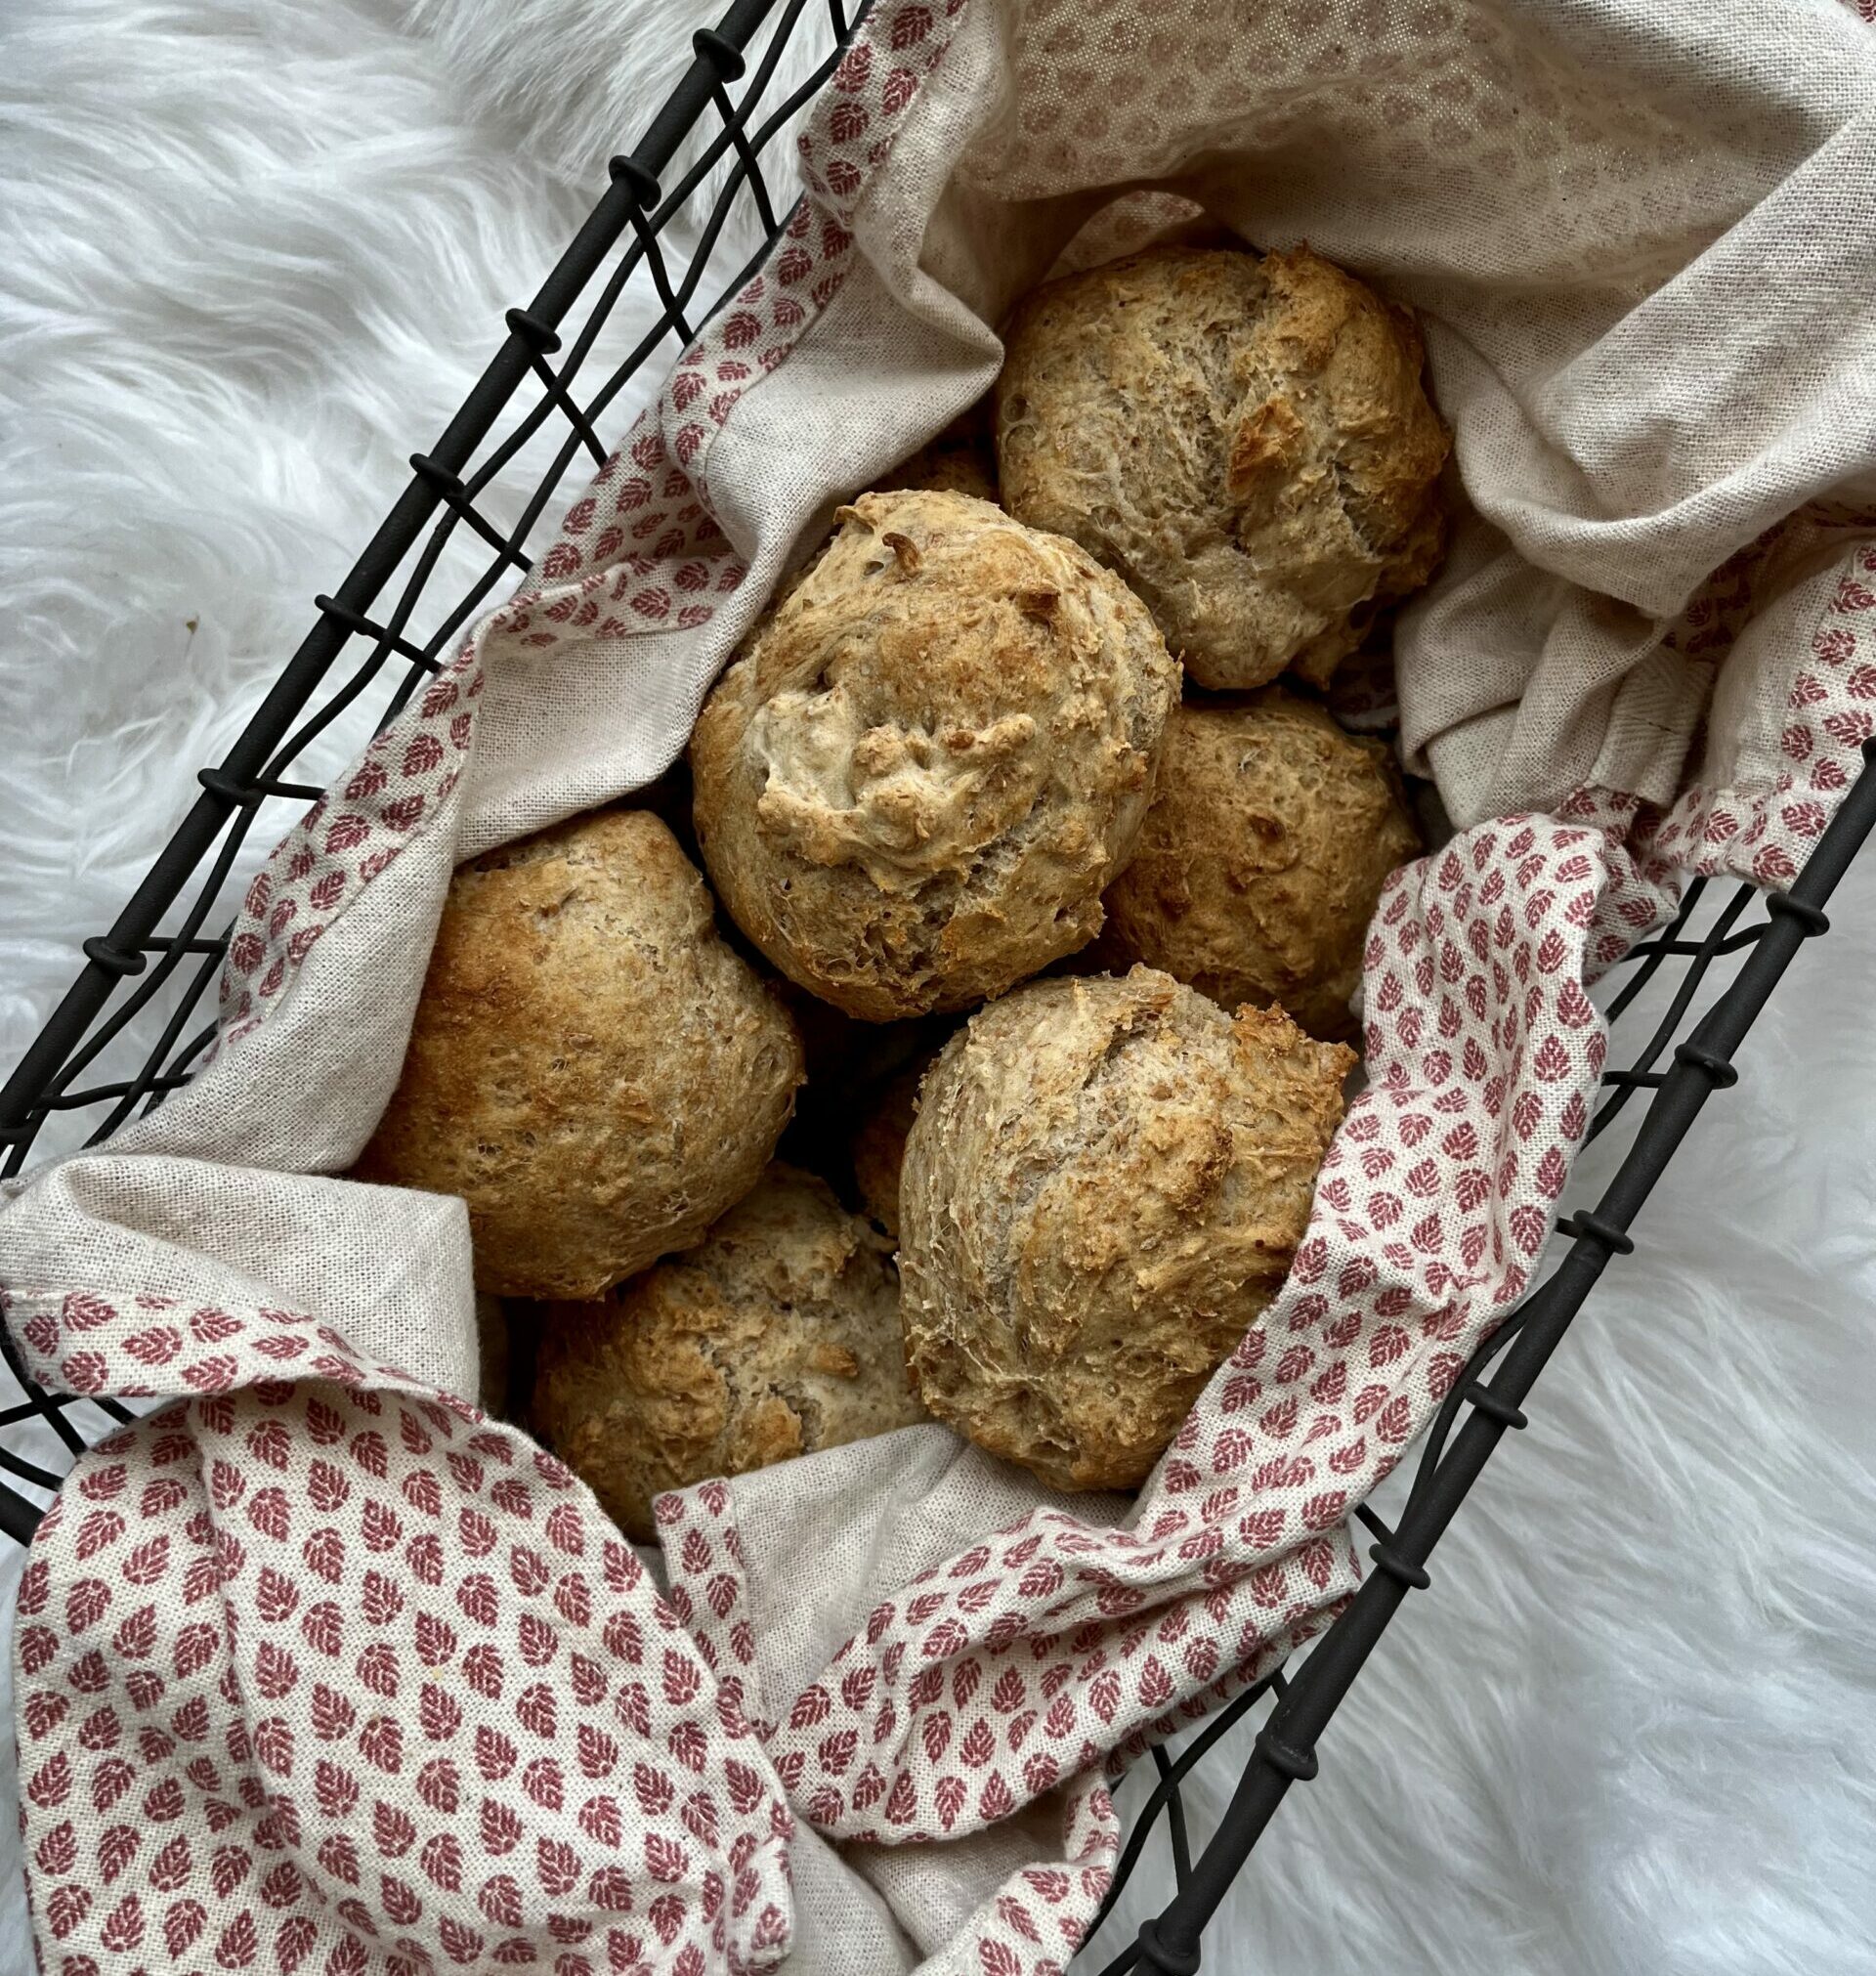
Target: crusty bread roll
1245	440
1104	1185
592	1067
777	1335
1270	835
931	757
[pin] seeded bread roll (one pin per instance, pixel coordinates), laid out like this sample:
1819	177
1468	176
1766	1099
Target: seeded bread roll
1269	839
1245	440
777	1335
1104	1185
931	757
592	1067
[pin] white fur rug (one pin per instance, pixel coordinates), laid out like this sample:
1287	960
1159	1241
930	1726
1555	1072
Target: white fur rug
253	256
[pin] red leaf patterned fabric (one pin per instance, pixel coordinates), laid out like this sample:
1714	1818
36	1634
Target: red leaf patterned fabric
317	1668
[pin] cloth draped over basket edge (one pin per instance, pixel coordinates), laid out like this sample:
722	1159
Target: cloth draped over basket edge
945	1679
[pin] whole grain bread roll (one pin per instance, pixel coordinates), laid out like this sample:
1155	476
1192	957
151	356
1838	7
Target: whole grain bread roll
592	1067
931	757
777	1335
1245	440
1104	1185
1270	836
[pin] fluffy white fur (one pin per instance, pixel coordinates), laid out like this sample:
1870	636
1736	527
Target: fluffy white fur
252	257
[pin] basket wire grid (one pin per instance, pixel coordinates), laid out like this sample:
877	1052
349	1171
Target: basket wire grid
138	979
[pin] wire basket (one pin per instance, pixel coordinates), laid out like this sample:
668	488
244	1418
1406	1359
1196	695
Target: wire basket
398	614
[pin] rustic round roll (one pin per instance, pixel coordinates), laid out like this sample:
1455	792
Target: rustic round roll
592	1067
1245	440
1270	836
777	1335
931	757
1104	1185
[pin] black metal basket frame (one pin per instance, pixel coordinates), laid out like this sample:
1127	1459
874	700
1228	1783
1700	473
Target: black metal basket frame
626	229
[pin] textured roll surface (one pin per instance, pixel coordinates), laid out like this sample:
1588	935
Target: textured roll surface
1105	1183
931	757
592	1067
1245	440
1270	835
777	1335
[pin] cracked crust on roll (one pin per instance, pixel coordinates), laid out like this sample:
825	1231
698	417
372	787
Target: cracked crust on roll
1104	1185
1270	840
1245	440
777	1335
931	757
591	1067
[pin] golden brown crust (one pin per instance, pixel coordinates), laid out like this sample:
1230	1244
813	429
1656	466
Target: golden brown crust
930	757
1258	871
1246	440
777	1335
591	1067
1105	1183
